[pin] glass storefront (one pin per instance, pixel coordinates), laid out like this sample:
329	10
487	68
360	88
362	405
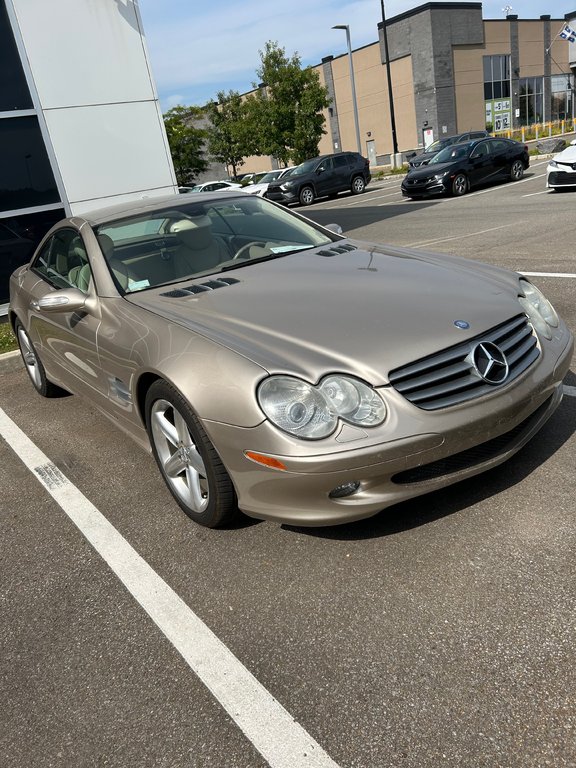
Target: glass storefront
29	199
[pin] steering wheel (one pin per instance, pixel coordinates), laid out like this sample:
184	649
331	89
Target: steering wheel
244	251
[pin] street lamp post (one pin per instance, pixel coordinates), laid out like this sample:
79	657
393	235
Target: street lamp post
353	84
395	158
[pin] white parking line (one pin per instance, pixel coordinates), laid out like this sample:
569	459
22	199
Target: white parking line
456	237
270	728
542	192
548	274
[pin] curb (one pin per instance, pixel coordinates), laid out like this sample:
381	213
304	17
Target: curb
10	362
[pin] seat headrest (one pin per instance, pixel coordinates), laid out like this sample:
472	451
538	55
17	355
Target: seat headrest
195	234
107	245
187	225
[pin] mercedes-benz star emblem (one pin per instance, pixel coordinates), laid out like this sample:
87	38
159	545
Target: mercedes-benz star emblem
490	362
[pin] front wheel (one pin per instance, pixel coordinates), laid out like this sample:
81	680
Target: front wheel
34	367
358	185
188	461
516	170
306	196
459	185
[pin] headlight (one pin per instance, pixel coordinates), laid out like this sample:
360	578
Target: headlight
312	412
553	164
541	313
287	185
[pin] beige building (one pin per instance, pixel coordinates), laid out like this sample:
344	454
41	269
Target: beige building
451	71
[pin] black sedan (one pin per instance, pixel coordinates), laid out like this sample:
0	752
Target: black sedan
455	169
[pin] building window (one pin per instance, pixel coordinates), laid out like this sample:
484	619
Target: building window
14	93
531	100
496	77
26	180
562	87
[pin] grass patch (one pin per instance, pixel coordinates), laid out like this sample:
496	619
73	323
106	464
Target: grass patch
8	341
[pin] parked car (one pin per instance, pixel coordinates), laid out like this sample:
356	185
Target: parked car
561	170
253	178
322	176
275	366
423	158
459	167
261	187
212	186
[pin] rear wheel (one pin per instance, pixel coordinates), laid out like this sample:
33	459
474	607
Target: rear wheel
34	367
306	195
358	185
516	170
459	185
187	459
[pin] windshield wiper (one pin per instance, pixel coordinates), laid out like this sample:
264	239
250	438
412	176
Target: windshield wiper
268	257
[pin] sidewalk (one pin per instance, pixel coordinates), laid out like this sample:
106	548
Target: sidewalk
10	361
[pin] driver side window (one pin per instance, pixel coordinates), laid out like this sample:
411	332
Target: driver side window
63	261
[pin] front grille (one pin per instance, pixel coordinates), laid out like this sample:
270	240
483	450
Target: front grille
562	177
473	457
449	377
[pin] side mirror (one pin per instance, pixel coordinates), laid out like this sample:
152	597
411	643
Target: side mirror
336	228
65	300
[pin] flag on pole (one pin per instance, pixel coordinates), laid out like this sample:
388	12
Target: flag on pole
567	33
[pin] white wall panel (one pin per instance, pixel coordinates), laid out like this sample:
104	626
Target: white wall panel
84	51
109	150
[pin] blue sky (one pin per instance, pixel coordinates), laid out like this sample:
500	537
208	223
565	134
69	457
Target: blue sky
198	48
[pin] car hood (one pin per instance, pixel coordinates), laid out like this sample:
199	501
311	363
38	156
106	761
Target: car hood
364	311
423	157
252	189
567	155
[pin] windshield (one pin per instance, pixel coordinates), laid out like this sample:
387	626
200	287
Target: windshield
436	146
451	153
303	168
270	176
193	239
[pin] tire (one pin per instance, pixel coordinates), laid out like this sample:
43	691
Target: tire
516	170
187	460
358	185
306	195
34	367
459	185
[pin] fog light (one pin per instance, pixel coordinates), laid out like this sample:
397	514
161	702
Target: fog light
346	489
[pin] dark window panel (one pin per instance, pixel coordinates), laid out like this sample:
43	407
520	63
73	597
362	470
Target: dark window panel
19	236
26	180
14	93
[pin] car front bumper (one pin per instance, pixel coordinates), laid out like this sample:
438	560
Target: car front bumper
429	188
560	178
423	452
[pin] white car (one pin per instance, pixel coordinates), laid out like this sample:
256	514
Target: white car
261	187
561	170
212	186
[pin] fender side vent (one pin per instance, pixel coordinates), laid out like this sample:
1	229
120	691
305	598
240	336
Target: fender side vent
336	249
210	285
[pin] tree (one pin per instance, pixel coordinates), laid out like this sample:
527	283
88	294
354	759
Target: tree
230	139
286	113
186	142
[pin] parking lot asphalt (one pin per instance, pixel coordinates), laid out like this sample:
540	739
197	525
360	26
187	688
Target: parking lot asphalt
439	633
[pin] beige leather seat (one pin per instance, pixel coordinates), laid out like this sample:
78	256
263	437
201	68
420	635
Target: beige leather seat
198	250
79	274
120	271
